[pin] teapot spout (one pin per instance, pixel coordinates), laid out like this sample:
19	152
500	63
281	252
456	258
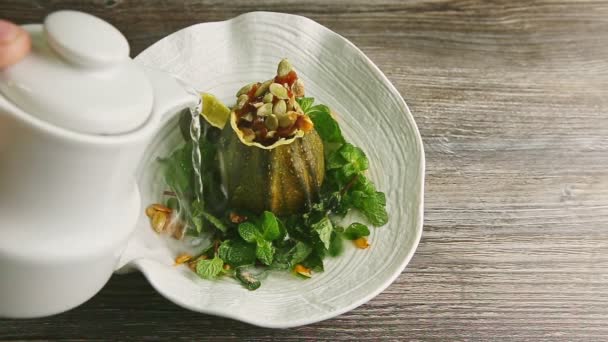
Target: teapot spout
170	94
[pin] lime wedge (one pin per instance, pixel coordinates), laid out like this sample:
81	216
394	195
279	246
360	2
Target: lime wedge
214	111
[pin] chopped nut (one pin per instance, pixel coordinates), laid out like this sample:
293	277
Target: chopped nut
302	270
264	110
248	134
226	267
182	259
176	228
361	243
236	218
160	207
247	117
150	211
159	219
304	123
288	119
298	88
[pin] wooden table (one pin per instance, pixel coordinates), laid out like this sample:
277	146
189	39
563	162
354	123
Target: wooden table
512	103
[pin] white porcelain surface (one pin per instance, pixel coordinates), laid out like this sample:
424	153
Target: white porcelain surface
79	76
219	58
69	200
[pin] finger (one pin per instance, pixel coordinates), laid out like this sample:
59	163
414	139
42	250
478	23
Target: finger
15	43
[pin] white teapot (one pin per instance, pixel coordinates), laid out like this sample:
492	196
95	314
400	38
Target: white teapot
75	117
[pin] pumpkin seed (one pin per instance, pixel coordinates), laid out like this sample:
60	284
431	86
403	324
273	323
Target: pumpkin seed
242	101
279	108
245	89
159	219
160	207
150	211
298	88
257	104
303	270
271	122
268	98
263	88
361	243
288	119
182	259
265	109
278	91
284	67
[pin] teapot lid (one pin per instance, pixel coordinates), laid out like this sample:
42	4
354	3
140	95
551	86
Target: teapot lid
79	76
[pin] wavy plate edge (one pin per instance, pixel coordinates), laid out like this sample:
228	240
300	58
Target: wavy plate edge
139	263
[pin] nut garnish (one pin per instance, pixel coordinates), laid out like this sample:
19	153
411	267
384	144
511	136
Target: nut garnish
182	259
159	219
284	68
361	243
236	218
279	108
298	88
263	88
278	91
264	110
302	270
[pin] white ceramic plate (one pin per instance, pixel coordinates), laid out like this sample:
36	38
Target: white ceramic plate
219	58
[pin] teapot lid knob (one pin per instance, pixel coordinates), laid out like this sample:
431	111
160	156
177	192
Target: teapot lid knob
85	39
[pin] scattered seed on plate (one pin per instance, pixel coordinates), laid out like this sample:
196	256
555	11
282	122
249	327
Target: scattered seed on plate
361	243
182	259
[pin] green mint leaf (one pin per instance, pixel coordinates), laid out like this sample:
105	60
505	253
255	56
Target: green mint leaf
179	173
305	103
198	223
247	278
173	203
237	253
209	269
216	222
337	244
372	205
270	226
335	161
356	160
265	252
314	262
355	231
326	126
249	232
324	228
301	251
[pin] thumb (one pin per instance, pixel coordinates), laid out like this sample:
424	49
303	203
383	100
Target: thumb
15	43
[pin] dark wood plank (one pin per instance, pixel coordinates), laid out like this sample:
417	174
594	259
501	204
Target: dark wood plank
511	100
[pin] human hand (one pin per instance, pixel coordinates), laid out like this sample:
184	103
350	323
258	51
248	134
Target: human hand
15	43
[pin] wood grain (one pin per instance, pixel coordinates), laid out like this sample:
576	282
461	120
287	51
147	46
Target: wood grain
511	98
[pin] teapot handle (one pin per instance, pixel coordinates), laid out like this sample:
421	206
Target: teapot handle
170	95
